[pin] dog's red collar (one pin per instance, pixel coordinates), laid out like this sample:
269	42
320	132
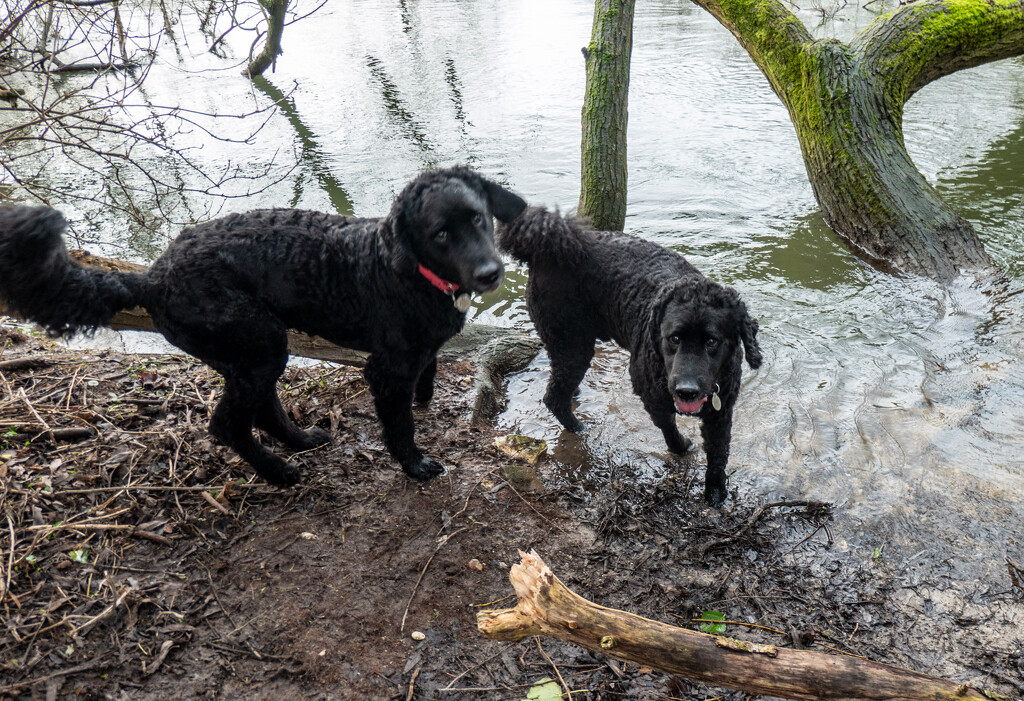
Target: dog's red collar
448	288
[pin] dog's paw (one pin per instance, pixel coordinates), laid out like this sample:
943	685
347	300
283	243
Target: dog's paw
715	495
314	438
678	444
425	469
574	425
278	472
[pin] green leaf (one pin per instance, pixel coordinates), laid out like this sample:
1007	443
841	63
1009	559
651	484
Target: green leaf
544	690
713	628
80	556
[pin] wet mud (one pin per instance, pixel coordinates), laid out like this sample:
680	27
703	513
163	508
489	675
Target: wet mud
142	562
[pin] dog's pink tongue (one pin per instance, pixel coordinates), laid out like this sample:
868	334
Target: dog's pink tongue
690	407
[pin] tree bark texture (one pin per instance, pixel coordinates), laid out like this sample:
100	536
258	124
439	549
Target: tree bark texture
846	102
603	148
548	607
275	10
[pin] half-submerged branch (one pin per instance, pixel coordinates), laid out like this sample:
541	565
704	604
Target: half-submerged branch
275	12
846	102
548	607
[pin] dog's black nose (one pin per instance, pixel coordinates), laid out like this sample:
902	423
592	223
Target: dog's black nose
688	390
488	275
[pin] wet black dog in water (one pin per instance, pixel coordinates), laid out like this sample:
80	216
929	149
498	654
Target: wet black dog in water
687	335
227	290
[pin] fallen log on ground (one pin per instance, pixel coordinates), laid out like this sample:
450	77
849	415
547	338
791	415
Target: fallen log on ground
496	350
548	607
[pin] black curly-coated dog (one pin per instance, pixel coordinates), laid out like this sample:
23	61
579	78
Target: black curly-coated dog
687	335
226	290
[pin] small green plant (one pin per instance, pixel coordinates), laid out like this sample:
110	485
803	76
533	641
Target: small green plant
80	556
544	690
877	552
713	628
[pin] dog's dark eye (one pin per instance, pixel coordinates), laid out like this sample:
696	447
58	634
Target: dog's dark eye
674	339
441	236
711	344
478	219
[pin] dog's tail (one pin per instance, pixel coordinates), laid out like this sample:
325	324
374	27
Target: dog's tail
40	283
538	233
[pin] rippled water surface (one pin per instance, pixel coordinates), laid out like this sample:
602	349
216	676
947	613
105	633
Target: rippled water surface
898	400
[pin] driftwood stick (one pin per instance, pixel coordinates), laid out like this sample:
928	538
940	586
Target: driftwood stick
548	607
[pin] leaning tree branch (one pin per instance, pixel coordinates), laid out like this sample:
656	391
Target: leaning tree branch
922	42
772	35
276	10
548	607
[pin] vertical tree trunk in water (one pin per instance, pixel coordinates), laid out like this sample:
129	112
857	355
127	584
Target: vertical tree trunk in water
603	149
276	10
846	102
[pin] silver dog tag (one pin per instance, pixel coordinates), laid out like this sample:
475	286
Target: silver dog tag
716	401
461	302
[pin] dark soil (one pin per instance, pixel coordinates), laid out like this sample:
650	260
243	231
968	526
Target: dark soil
146	565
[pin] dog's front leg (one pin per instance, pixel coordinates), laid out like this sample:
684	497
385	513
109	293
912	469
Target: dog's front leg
666	421
716	430
392	395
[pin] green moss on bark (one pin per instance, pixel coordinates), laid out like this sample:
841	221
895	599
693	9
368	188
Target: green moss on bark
846	103
604	115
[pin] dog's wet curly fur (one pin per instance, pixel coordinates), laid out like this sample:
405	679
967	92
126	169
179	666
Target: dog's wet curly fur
686	334
227	290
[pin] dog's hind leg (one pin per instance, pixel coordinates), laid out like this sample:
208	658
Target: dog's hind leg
424	391
245	390
272	418
569	363
392	392
249	347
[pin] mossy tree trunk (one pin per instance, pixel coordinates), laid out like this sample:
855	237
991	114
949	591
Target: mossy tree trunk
275	10
846	102
603	181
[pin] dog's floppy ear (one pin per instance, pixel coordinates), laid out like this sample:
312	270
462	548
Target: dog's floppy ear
748	335
505	204
654	318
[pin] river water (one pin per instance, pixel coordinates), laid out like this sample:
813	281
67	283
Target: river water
896	399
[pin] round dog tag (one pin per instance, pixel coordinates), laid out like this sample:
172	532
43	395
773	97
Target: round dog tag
716	401
462	303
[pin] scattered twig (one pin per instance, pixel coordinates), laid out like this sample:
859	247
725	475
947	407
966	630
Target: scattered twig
91	664
412	684
440	543
734	623
568	692
31	362
470	669
215	504
10	560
